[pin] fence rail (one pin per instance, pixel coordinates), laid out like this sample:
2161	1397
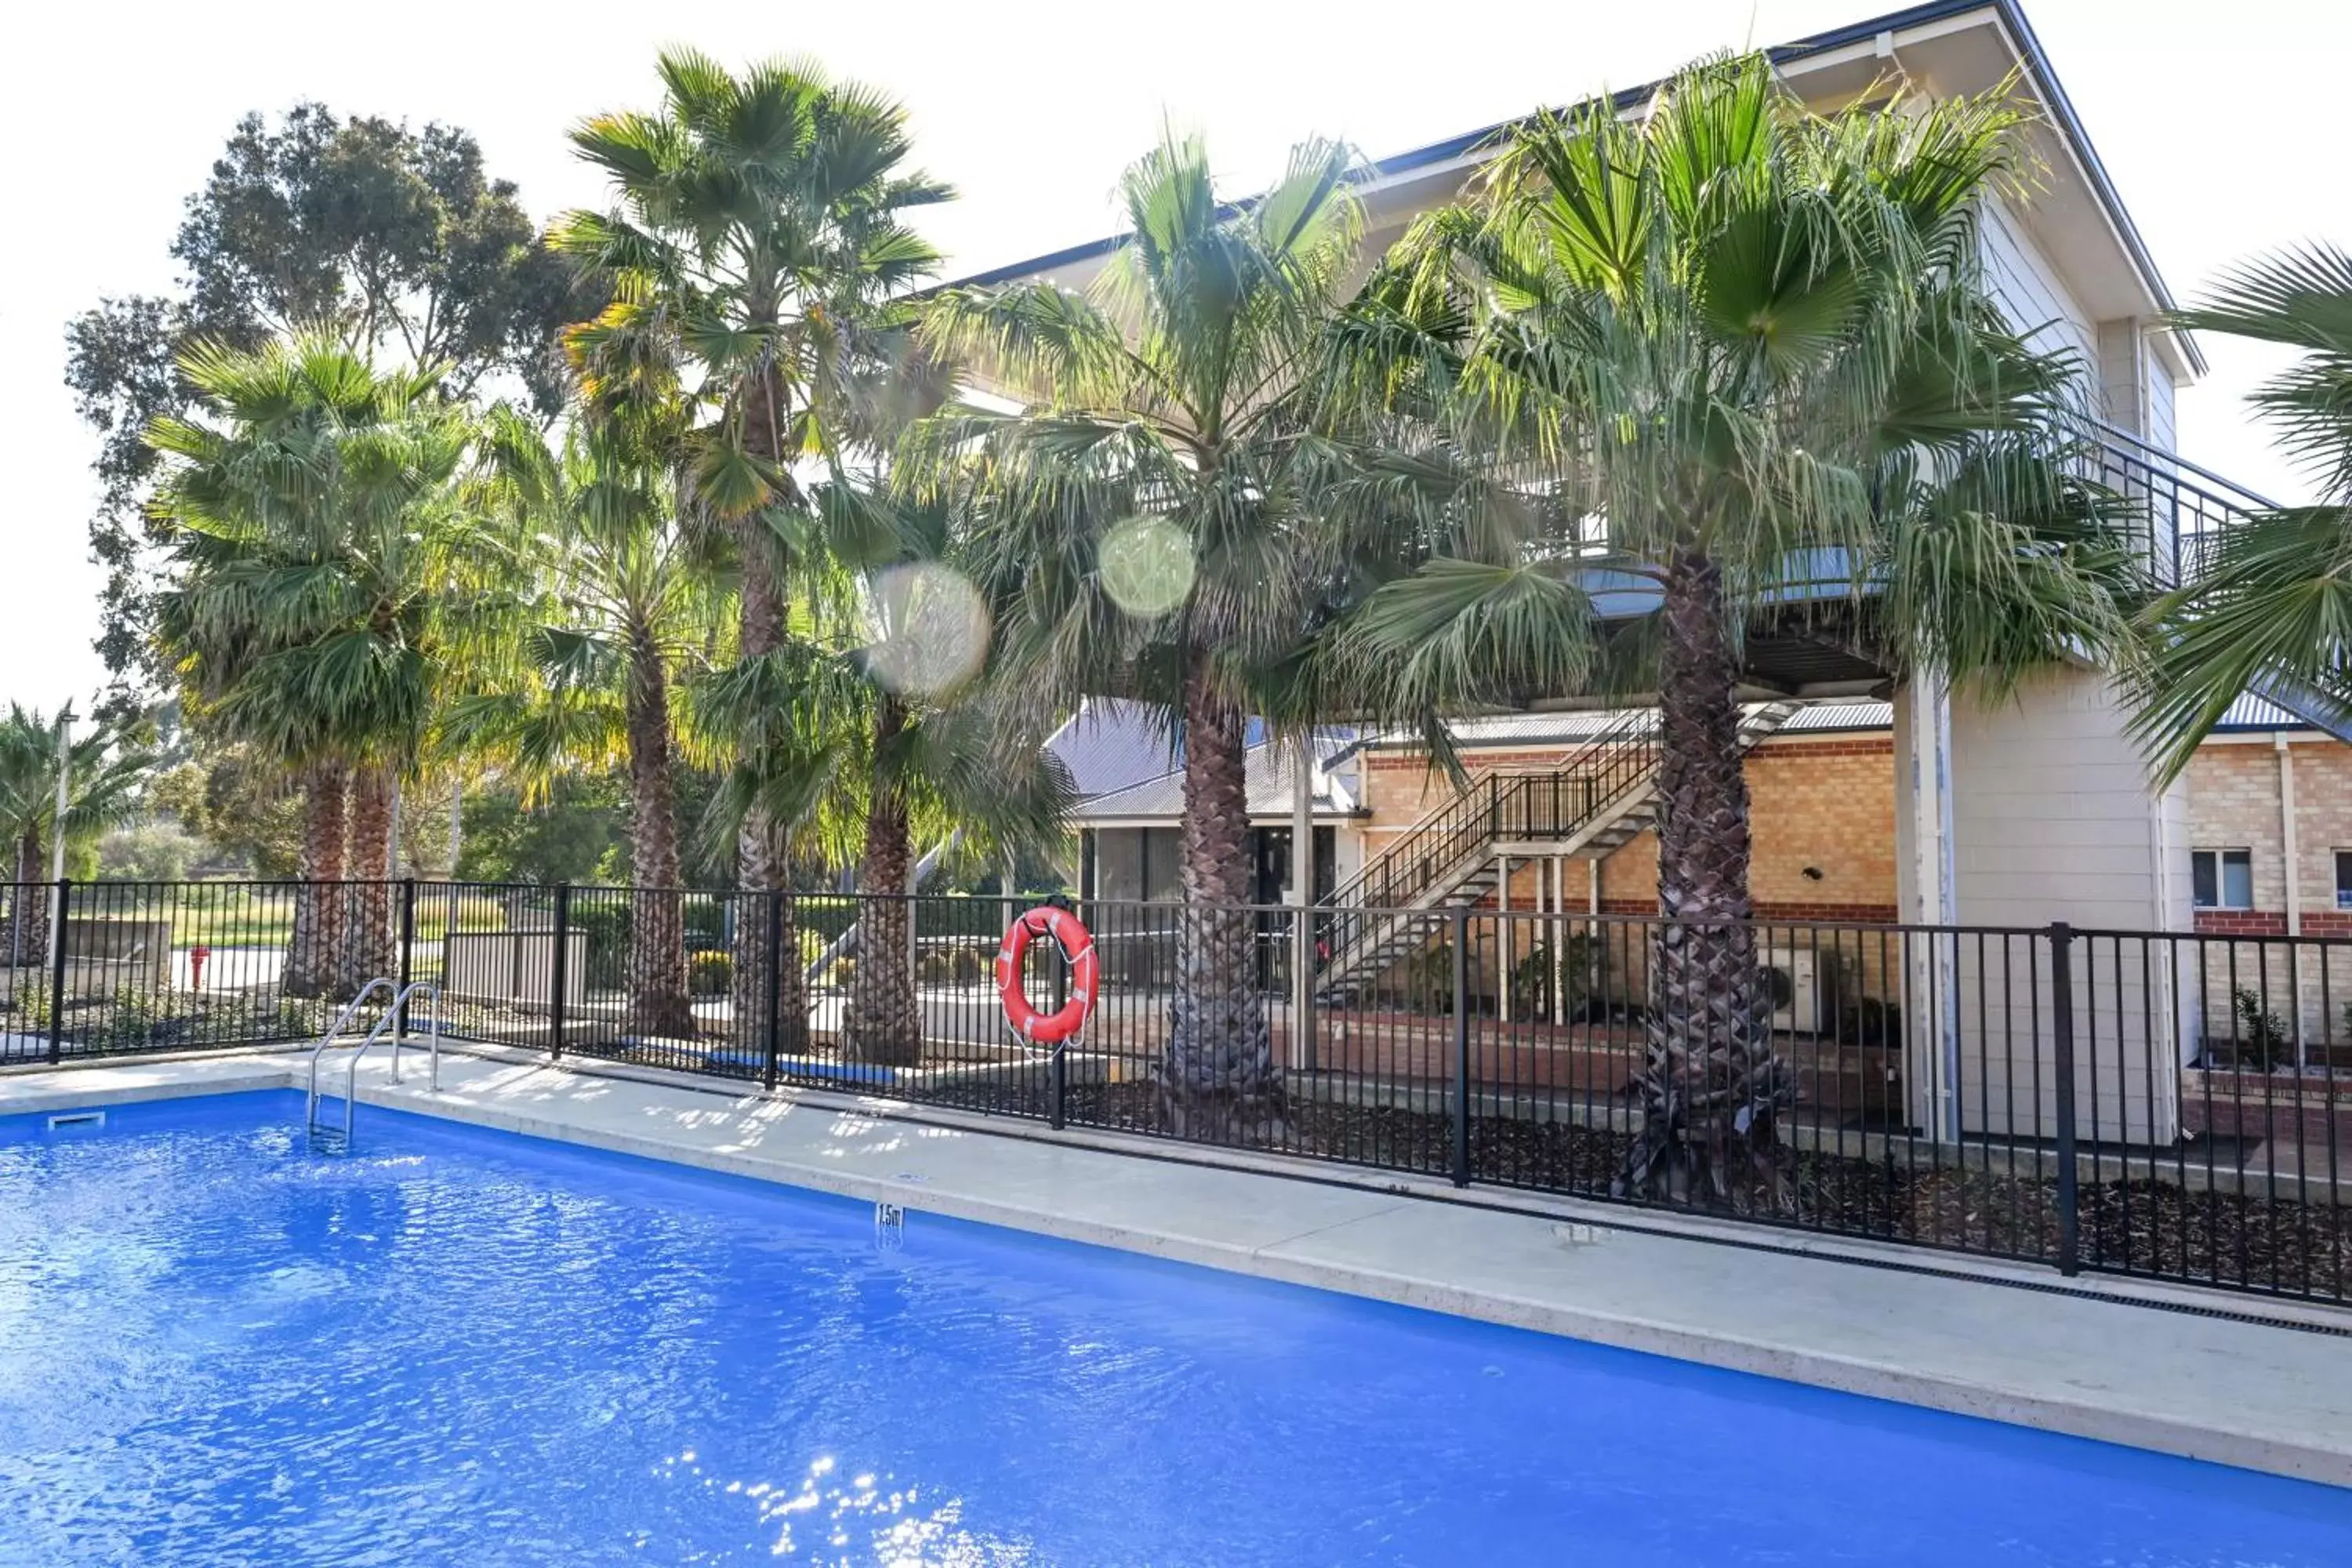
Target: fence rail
2170	1105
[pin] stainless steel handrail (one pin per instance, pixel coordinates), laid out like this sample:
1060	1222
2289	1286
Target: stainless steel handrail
399	1011
311	1103
395	1019
352	1074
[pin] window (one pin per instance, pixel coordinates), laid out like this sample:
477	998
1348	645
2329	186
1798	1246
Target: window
2344	878
2223	879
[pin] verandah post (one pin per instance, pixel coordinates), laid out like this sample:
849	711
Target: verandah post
558	969
2061	1035
58	970
1460	1163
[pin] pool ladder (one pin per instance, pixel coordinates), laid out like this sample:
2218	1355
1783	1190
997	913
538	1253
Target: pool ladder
327	1139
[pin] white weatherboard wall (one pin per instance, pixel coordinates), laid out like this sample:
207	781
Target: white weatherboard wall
2052	817
2028	290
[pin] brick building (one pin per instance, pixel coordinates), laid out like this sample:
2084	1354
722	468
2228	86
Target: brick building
1821	787
2270	813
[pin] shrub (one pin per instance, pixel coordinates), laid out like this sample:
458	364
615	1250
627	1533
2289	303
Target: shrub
605	923
2262	1037
710	974
1531	978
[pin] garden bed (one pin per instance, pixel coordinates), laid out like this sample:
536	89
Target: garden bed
1972	1200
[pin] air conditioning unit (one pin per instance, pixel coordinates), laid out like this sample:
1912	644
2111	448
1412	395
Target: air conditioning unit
1789	974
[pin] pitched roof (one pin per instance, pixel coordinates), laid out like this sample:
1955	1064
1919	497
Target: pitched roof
1270	769
1110	744
2253	712
1925	19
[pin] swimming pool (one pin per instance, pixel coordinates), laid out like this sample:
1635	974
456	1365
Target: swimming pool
459	1346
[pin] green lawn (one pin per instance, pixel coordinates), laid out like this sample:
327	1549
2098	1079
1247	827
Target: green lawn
229	914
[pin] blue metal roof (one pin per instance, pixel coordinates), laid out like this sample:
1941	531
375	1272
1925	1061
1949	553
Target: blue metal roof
2253	712
1110	744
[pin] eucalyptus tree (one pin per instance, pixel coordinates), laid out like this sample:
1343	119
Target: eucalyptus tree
106	773
1731	365
1161	521
2267	604
395	239
327	588
758	237
633	597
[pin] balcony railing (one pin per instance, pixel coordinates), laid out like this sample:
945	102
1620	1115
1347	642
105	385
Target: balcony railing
2184	507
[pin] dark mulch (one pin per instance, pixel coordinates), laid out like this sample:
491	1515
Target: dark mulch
1972	1200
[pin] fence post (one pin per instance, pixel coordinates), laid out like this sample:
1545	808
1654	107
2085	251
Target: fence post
58	970
407	952
558	969
1459	1164
2061	1033
773	984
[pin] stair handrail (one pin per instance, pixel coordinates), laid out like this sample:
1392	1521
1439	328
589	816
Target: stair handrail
433	1030
351	1078
351	1009
1599	770
2188	504
1481	803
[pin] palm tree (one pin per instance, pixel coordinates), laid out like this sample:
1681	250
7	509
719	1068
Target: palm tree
2268	603
757	241
328	590
636	596
939	753
1159	523
105	774
1734	356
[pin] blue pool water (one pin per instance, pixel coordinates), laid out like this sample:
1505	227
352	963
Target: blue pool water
458	1347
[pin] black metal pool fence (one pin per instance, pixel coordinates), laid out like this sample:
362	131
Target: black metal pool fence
2171	1105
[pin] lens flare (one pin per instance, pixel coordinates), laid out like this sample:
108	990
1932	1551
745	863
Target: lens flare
1146	565
929	627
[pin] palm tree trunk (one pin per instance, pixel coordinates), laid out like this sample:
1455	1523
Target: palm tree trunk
656	975
367	932
884	1022
27	943
1711	1088
313	948
1218	1080
761	863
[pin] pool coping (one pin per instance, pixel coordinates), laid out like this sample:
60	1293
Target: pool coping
2214	1382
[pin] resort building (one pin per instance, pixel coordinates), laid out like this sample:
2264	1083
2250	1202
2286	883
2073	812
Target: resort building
1876	798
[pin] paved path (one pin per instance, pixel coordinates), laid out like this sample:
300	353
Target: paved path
2268	1397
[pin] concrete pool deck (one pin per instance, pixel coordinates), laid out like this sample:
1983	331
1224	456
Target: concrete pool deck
2107	1363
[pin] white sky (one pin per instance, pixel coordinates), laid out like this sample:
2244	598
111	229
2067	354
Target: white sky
2218	122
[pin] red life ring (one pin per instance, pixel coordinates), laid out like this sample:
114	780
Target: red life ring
1076	946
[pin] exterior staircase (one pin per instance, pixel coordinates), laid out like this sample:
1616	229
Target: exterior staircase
1600	797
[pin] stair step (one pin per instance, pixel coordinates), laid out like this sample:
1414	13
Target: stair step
1473	877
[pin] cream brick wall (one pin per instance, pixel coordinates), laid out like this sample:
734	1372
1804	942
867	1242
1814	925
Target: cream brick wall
2233	803
1399	788
2235	794
1825	802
